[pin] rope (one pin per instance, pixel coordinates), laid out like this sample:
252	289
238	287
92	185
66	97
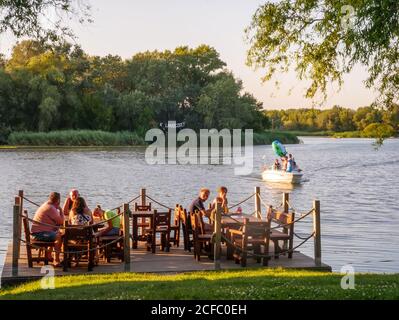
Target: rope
299	237
129	202
289	205
162	205
37	205
268	205
30	201
245	200
250	253
303	216
71	227
134	199
121	206
73	252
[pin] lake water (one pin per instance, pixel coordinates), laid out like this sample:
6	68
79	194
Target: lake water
356	184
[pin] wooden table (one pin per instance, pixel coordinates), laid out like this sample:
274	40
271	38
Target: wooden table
236	221
135	227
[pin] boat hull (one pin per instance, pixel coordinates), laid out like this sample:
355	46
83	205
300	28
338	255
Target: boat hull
282	176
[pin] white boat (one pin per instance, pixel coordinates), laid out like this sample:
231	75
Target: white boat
271	175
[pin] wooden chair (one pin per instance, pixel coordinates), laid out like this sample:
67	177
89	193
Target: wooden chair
41	246
176	226
201	239
188	237
77	238
251	238
285	234
138	207
109	251
161	225
142	224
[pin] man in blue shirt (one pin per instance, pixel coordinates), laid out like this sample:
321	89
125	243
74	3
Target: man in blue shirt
198	205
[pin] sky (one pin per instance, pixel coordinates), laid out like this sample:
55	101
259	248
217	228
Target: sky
125	27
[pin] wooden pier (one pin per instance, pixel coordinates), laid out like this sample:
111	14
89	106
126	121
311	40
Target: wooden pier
177	260
142	261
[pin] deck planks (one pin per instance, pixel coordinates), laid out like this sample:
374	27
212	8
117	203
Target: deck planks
175	261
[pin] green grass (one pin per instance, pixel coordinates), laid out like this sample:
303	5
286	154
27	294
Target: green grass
75	138
349	134
90	138
240	284
308	133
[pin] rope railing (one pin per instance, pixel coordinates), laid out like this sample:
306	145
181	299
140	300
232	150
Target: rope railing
31	202
119	207
300	237
241	202
280	253
159	203
134	199
74	252
289	205
74	226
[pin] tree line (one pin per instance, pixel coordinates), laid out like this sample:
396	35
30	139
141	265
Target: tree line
60	87
336	119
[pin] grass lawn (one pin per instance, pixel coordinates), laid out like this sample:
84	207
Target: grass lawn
239	284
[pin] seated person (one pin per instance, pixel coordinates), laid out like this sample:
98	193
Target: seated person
51	215
222	199
276	165
113	226
198	205
80	215
73	195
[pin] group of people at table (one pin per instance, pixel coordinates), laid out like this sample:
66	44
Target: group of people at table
50	216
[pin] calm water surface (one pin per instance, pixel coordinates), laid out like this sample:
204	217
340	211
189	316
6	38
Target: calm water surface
357	186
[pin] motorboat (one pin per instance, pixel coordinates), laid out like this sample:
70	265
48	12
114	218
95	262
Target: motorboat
281	176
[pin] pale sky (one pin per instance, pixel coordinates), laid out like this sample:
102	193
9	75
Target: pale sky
125	27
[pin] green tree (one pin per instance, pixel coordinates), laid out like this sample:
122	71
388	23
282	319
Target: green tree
33	17
316	38
365	116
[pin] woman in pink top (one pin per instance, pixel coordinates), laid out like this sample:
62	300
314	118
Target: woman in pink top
49	217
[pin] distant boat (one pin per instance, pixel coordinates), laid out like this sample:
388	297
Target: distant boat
280	176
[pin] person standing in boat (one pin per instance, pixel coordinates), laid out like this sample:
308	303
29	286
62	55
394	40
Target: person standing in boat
284	161
290	163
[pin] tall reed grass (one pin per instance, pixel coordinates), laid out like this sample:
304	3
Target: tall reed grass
75	138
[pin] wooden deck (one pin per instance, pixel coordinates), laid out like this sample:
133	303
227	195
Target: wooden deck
177	260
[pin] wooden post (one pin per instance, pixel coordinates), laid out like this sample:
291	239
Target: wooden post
16	237
21	208
286	199
143	196
126	235
218	235
258	210
317	232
